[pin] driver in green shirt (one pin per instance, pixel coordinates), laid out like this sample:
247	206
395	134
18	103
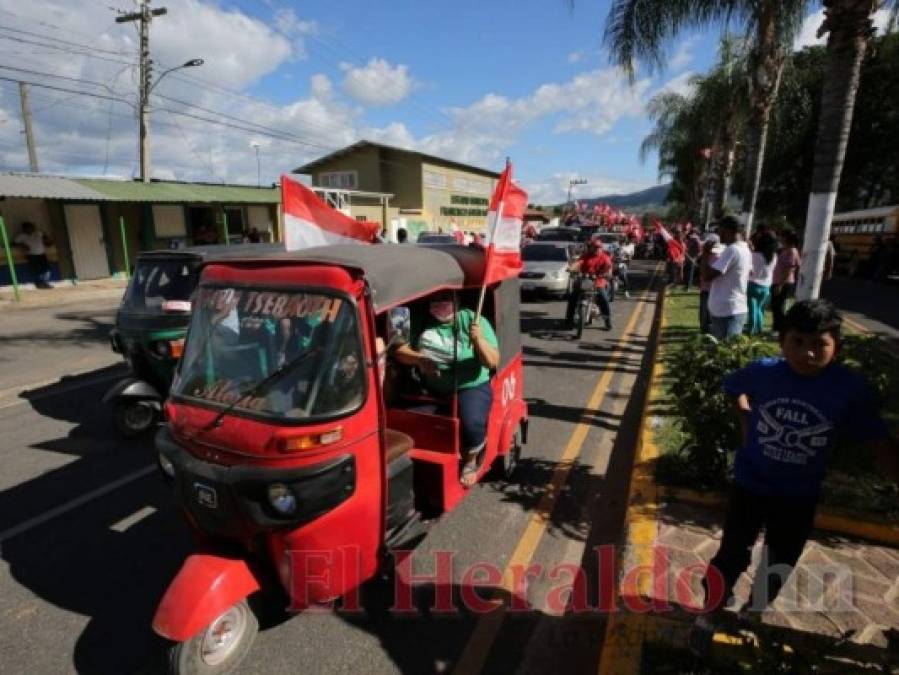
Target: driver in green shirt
453	350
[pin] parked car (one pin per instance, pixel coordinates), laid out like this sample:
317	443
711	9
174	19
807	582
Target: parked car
545	268
560	234
436	238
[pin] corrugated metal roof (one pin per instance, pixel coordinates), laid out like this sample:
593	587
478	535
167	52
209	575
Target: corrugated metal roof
46	187
194	193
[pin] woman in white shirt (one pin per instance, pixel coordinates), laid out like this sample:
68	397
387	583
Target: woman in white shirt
758	291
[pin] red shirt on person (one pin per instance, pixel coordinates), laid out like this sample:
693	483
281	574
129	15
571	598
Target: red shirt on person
597	264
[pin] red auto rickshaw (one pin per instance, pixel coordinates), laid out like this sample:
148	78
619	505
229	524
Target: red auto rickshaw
300	453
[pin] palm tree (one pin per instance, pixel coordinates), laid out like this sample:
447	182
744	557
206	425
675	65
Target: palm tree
639	29
709	117
849	24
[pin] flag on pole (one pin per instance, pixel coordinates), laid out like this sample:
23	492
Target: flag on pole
309	222
504	220
675	249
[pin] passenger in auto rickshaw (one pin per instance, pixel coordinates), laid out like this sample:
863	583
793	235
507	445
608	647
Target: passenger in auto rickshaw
449	349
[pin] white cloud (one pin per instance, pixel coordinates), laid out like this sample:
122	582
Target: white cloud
679	85
377	83
683	56
554	189
575	57
808	32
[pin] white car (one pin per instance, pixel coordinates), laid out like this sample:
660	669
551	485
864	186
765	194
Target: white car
545	268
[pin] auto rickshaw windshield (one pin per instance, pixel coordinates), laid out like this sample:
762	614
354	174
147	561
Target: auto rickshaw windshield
282	354
157	281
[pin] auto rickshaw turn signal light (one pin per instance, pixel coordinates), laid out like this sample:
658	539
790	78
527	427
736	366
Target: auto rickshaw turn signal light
176	348
309	441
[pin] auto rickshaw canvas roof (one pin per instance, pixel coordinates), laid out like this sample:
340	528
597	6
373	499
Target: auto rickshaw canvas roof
397	273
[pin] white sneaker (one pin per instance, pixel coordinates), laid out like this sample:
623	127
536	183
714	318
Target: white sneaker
627	295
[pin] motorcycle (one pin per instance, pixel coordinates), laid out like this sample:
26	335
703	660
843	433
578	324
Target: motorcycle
586	309
619	274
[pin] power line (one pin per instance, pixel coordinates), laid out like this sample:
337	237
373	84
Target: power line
44	36
68	91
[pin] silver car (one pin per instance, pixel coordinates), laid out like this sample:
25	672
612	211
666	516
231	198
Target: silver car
545	268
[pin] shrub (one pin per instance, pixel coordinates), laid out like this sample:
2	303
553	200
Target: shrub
696	371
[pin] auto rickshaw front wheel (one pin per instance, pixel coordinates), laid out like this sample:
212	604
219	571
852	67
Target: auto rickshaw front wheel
504	465
134	416
219	647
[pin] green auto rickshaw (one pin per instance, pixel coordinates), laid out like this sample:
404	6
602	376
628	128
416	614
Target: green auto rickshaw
151	324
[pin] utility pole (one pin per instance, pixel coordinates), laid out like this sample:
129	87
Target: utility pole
29	132
145	15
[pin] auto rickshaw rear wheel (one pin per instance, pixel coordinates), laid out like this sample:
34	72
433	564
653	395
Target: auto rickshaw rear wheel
134	416
504	465
219	647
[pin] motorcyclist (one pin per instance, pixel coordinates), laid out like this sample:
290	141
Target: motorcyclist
594	261
622	259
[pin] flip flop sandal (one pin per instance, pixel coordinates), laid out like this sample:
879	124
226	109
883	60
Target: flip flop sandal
469	475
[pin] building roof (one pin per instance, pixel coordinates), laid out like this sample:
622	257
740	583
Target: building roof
359	145
39	186
36	186
425	269
177	192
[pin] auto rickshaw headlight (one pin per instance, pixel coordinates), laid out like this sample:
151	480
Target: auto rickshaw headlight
282	499
166	465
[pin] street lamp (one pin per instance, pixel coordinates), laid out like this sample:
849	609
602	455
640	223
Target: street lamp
146	88
258	165
572	183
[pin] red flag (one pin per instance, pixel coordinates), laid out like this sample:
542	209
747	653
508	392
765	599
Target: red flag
309	222
504	220
675	248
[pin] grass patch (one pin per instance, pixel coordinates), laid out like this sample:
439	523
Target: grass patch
853	482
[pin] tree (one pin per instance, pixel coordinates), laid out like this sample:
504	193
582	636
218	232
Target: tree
849	25
638	29
696	134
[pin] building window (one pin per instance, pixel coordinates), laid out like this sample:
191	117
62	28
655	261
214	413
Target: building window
432	179
344	180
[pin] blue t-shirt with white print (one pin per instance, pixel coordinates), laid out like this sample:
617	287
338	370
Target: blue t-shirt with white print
795	421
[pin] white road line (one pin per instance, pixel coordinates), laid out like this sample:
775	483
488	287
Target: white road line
75	503
63	389
133	519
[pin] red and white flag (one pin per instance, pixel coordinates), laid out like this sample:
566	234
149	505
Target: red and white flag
504	220
309	222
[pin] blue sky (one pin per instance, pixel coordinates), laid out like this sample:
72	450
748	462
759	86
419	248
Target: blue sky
475	81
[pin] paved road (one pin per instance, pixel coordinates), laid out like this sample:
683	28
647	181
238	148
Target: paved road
90	538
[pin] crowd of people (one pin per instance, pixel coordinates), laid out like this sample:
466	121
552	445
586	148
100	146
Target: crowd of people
739	279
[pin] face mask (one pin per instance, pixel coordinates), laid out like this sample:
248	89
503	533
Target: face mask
442	310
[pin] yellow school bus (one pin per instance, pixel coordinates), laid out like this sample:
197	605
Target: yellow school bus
854	233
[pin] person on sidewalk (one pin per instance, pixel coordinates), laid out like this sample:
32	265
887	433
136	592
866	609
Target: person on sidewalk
758	290
783	280
729	277
791	411
595	262
35	243
711	250
694	248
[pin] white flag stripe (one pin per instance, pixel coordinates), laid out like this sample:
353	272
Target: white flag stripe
300	233
505	235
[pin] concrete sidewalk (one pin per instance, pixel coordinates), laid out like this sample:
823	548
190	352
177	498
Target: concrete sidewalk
63	293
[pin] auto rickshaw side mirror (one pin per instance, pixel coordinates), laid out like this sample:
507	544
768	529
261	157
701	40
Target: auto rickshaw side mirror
399	326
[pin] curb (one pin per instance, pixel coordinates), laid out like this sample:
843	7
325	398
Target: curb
622	646
828	519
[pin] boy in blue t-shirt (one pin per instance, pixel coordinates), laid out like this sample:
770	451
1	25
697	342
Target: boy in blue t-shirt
791	411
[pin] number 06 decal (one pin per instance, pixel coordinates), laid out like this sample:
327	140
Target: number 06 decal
509	387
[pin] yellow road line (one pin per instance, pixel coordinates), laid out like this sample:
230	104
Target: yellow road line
622	647
487	628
